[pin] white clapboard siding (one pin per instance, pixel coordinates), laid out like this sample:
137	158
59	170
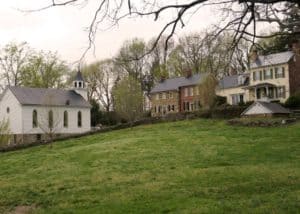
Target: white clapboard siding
14	115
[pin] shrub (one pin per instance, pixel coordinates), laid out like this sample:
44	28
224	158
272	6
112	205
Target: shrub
4	133
226	112
219	100
293	101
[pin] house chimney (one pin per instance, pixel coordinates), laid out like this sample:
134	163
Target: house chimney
296	47
162	78
254	55
232	71
188	73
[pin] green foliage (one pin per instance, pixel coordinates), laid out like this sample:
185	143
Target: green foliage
13	58
44	70
197	166
128	99
207	92
4	133
293	101
219	100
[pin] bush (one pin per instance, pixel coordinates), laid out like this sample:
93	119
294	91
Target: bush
219	100
226	112
4	133
293	101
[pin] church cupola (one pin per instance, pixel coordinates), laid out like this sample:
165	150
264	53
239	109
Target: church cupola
79	85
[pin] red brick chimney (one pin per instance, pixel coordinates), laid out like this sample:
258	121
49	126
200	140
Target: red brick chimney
188	73
296	47
162	78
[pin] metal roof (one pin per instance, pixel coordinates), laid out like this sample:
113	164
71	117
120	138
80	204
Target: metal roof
233	81
48	96
175	83
272	108
272	59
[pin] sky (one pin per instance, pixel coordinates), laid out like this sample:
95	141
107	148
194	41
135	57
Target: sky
63	29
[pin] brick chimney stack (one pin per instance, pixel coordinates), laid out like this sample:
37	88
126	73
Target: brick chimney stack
188	73
296	47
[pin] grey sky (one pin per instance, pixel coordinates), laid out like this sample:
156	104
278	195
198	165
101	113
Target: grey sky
62	29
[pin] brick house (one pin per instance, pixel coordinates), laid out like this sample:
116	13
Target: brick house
272	77
179	94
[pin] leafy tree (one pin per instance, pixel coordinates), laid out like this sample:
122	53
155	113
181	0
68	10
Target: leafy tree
128	99
289	26
207	92
4	133
44	70
13	58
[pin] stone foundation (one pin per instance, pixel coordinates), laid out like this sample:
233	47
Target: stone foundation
17	139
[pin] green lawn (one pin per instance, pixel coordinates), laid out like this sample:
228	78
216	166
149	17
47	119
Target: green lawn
199	166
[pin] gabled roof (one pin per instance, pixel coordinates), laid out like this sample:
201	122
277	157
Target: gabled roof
272	59
47	96
267	108
233	81
177	82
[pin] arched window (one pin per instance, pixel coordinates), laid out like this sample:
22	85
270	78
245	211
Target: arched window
50	119
34	119
79	84
79	119
66	122
75	84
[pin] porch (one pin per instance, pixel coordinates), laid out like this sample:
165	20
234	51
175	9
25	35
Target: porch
267	91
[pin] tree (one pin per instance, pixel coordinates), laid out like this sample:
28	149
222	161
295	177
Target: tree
239	16
128	99
44	70
290	23
100	77
130	58
13	58
50	118
207	92
4	133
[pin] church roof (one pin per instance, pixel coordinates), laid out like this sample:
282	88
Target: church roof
79	76
48	97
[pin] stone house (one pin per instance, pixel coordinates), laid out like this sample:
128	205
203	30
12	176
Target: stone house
35	113
179	94
274	77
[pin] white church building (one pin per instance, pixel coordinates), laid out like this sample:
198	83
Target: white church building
35	114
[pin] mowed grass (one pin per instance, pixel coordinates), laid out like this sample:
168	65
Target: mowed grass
199	166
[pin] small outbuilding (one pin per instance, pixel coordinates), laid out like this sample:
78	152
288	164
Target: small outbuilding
265	109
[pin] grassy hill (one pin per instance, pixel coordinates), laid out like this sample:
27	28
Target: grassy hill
200	166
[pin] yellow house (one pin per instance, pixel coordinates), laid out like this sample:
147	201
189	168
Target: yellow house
273	77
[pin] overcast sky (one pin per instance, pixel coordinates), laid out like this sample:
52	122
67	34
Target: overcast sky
62	29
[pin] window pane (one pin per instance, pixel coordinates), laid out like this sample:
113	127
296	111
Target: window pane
79	122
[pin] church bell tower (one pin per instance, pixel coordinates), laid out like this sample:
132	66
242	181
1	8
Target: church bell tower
79	85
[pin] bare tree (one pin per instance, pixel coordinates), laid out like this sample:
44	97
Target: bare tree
239	16
49	118
101	77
